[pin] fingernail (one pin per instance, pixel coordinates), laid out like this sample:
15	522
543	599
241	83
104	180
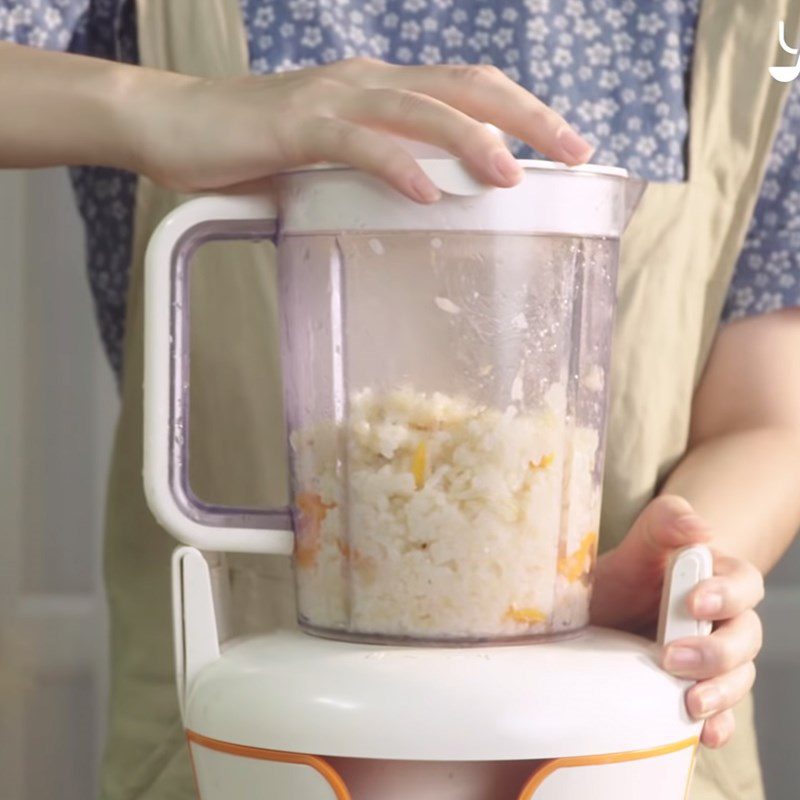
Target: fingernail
506	167
709	700
424	190
709	603
679	659
573	145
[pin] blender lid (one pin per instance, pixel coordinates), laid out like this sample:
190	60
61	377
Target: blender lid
426	153
600	692
551	199
525	163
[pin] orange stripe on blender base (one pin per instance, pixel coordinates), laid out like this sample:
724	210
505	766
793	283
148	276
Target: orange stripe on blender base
319	764
535	781
549	767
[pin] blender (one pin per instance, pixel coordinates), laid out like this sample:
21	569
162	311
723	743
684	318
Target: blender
445	382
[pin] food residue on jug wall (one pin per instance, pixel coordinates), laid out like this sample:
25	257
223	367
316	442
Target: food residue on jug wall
446	304
311	514
451	521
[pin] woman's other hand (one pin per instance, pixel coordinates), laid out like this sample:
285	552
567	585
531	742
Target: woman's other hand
627	595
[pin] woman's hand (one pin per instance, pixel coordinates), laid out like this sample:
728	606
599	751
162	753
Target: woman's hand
197	134
627	595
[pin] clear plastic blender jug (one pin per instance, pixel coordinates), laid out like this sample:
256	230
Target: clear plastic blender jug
445	384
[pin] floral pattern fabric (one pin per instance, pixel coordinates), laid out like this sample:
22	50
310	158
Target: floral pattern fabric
616	69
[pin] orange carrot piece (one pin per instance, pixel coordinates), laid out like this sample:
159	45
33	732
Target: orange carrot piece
418	464
573	566
529	616
312	514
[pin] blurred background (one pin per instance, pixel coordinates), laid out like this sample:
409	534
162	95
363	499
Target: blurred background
57	410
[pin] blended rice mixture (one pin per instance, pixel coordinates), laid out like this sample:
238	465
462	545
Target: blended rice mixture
431	517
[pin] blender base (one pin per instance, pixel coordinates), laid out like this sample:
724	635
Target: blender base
590	717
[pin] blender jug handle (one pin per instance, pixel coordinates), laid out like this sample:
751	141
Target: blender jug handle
166	379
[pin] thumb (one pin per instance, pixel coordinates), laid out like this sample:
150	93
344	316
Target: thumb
629	578
666	524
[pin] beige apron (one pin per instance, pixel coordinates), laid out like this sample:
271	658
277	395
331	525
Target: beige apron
677	261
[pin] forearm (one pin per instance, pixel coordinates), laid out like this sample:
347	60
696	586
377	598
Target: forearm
746	484
64	109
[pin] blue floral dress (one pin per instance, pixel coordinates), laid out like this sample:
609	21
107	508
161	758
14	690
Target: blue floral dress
619	70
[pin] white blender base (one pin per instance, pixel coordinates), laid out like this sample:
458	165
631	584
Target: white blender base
229	772
601	717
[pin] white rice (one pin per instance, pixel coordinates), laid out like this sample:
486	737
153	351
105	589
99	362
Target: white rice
430	517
